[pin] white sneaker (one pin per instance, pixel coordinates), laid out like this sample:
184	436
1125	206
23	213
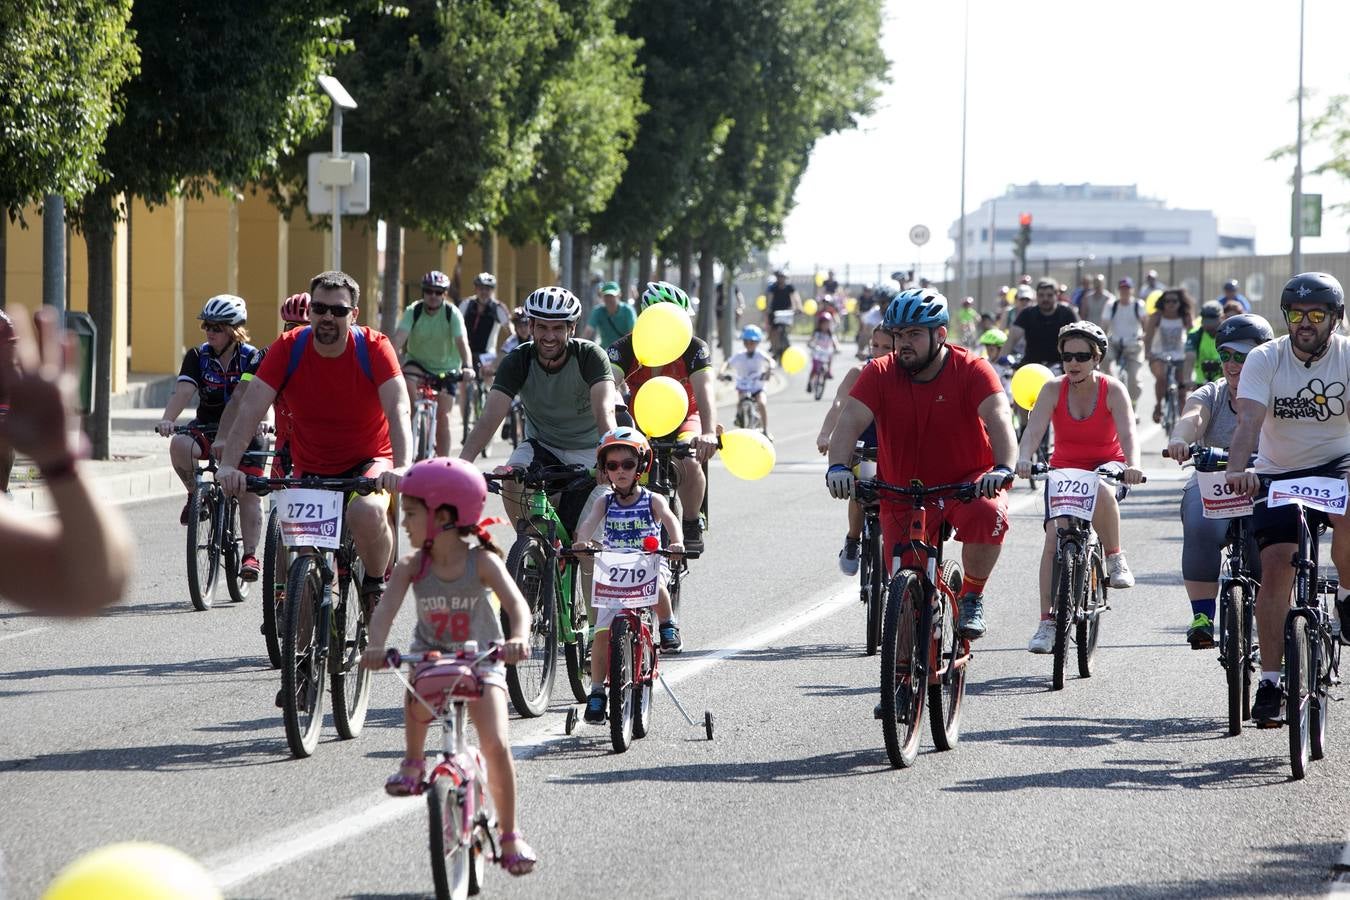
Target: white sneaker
1118	571
1043	641
848	557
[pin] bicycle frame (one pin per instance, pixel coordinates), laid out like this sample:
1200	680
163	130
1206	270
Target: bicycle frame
541	521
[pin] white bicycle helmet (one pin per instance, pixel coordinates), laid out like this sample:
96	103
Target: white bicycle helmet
226	309
553	303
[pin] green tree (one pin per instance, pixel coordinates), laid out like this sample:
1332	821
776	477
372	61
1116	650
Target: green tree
1328	136
61	64
225	89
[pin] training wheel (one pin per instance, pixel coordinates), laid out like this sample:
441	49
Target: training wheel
571	722
707	723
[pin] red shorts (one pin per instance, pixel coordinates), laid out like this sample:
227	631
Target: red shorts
371	468
981	521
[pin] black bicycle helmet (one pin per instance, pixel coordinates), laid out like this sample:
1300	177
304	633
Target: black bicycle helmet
1088	331
1243	333
1314	287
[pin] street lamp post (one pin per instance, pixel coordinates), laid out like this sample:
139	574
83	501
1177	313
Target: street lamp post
1296	220
961	238
341	100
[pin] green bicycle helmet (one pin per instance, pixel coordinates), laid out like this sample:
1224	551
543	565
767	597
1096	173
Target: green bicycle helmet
664	292
994	337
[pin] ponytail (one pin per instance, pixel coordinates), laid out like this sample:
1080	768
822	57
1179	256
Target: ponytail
484	537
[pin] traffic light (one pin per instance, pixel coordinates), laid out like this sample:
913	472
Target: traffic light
1022	239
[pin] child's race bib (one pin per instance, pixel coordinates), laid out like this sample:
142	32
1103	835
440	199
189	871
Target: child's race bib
626	579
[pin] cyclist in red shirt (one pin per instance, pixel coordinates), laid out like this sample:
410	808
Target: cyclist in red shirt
942	417
348	407
693	370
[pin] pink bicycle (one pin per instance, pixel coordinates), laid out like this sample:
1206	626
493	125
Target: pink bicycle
463	824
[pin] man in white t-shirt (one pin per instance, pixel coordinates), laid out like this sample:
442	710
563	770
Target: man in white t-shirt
1123	320
1292	397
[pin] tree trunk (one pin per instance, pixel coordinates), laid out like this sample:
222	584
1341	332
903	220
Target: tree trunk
707	296
644	273
4	252
392	283
487	239
727	327
565	260
99	219
581	266
686	263
625	274
661	265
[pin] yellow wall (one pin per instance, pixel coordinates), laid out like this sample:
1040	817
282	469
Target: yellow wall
259	264
470	264
532	271
23	259
208	266
157	267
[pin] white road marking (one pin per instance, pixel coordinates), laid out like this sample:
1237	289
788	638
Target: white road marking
19	634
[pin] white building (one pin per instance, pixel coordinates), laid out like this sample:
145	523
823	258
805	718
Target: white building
1077	221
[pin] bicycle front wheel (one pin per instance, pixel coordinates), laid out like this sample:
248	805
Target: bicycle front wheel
203	556
1234	658
1065	591
951	655
1089	624
1299	690
301	665
818	389
273	588
530	682
577	652
449	850
621	685
904	677
347	641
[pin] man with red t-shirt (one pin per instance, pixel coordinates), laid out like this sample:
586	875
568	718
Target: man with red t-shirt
348	408
942	418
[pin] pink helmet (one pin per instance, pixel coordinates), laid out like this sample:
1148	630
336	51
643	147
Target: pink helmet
447	482
295	308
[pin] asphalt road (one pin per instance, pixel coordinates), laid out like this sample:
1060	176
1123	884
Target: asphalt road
155	722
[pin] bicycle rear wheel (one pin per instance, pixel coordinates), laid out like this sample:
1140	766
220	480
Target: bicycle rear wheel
232	547
1066	579
449	851
577	652
904	677
951	654
621	685
873	588
273	588
424	433
530	682
1234	654
1089	623
301	663
203	556
1298	690
1320	680
351	627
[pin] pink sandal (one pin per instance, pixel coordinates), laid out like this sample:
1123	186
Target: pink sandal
400	785
518	863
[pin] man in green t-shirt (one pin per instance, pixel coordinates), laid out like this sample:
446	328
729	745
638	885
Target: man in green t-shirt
611	319
567	389
1202	356
431	341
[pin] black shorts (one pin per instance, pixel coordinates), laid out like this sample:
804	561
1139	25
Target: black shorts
1280	525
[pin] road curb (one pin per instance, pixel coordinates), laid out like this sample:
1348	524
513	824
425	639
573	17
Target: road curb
123	487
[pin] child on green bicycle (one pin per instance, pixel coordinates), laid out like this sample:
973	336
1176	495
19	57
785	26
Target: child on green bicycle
443	500
629	514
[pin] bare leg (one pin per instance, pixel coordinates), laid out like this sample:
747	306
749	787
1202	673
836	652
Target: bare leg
1272	602
368	519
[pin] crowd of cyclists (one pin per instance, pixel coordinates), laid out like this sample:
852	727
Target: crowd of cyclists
929	399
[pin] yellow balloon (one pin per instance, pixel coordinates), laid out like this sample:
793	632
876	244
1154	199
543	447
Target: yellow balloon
820	279
1151	301
1027	383
794	360
661	334
660	406
1011	295
760	302
850	305
133	871
809	307
747	454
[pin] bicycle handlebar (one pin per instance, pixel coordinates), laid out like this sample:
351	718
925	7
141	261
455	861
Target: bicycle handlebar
1204	458
1112	474
263	486
565	476
393	658
592	551
965	491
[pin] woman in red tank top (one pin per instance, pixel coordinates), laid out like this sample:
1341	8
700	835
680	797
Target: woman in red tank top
1094	426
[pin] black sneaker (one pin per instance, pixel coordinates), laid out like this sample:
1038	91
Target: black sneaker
693	536
1268	707
595	707
1343	617
670	638
971	621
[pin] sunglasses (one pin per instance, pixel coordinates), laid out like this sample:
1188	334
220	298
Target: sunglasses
1315	316
614	465
436	292
1232	356
337	310
1077	357
213	328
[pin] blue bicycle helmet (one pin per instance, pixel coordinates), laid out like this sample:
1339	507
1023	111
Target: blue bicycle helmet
752	333
922	307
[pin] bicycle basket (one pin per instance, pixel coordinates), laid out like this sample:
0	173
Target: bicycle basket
446	678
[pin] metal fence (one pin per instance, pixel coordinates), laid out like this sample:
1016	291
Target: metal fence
1260	277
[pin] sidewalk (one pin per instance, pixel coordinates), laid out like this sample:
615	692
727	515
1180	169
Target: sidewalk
139	468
